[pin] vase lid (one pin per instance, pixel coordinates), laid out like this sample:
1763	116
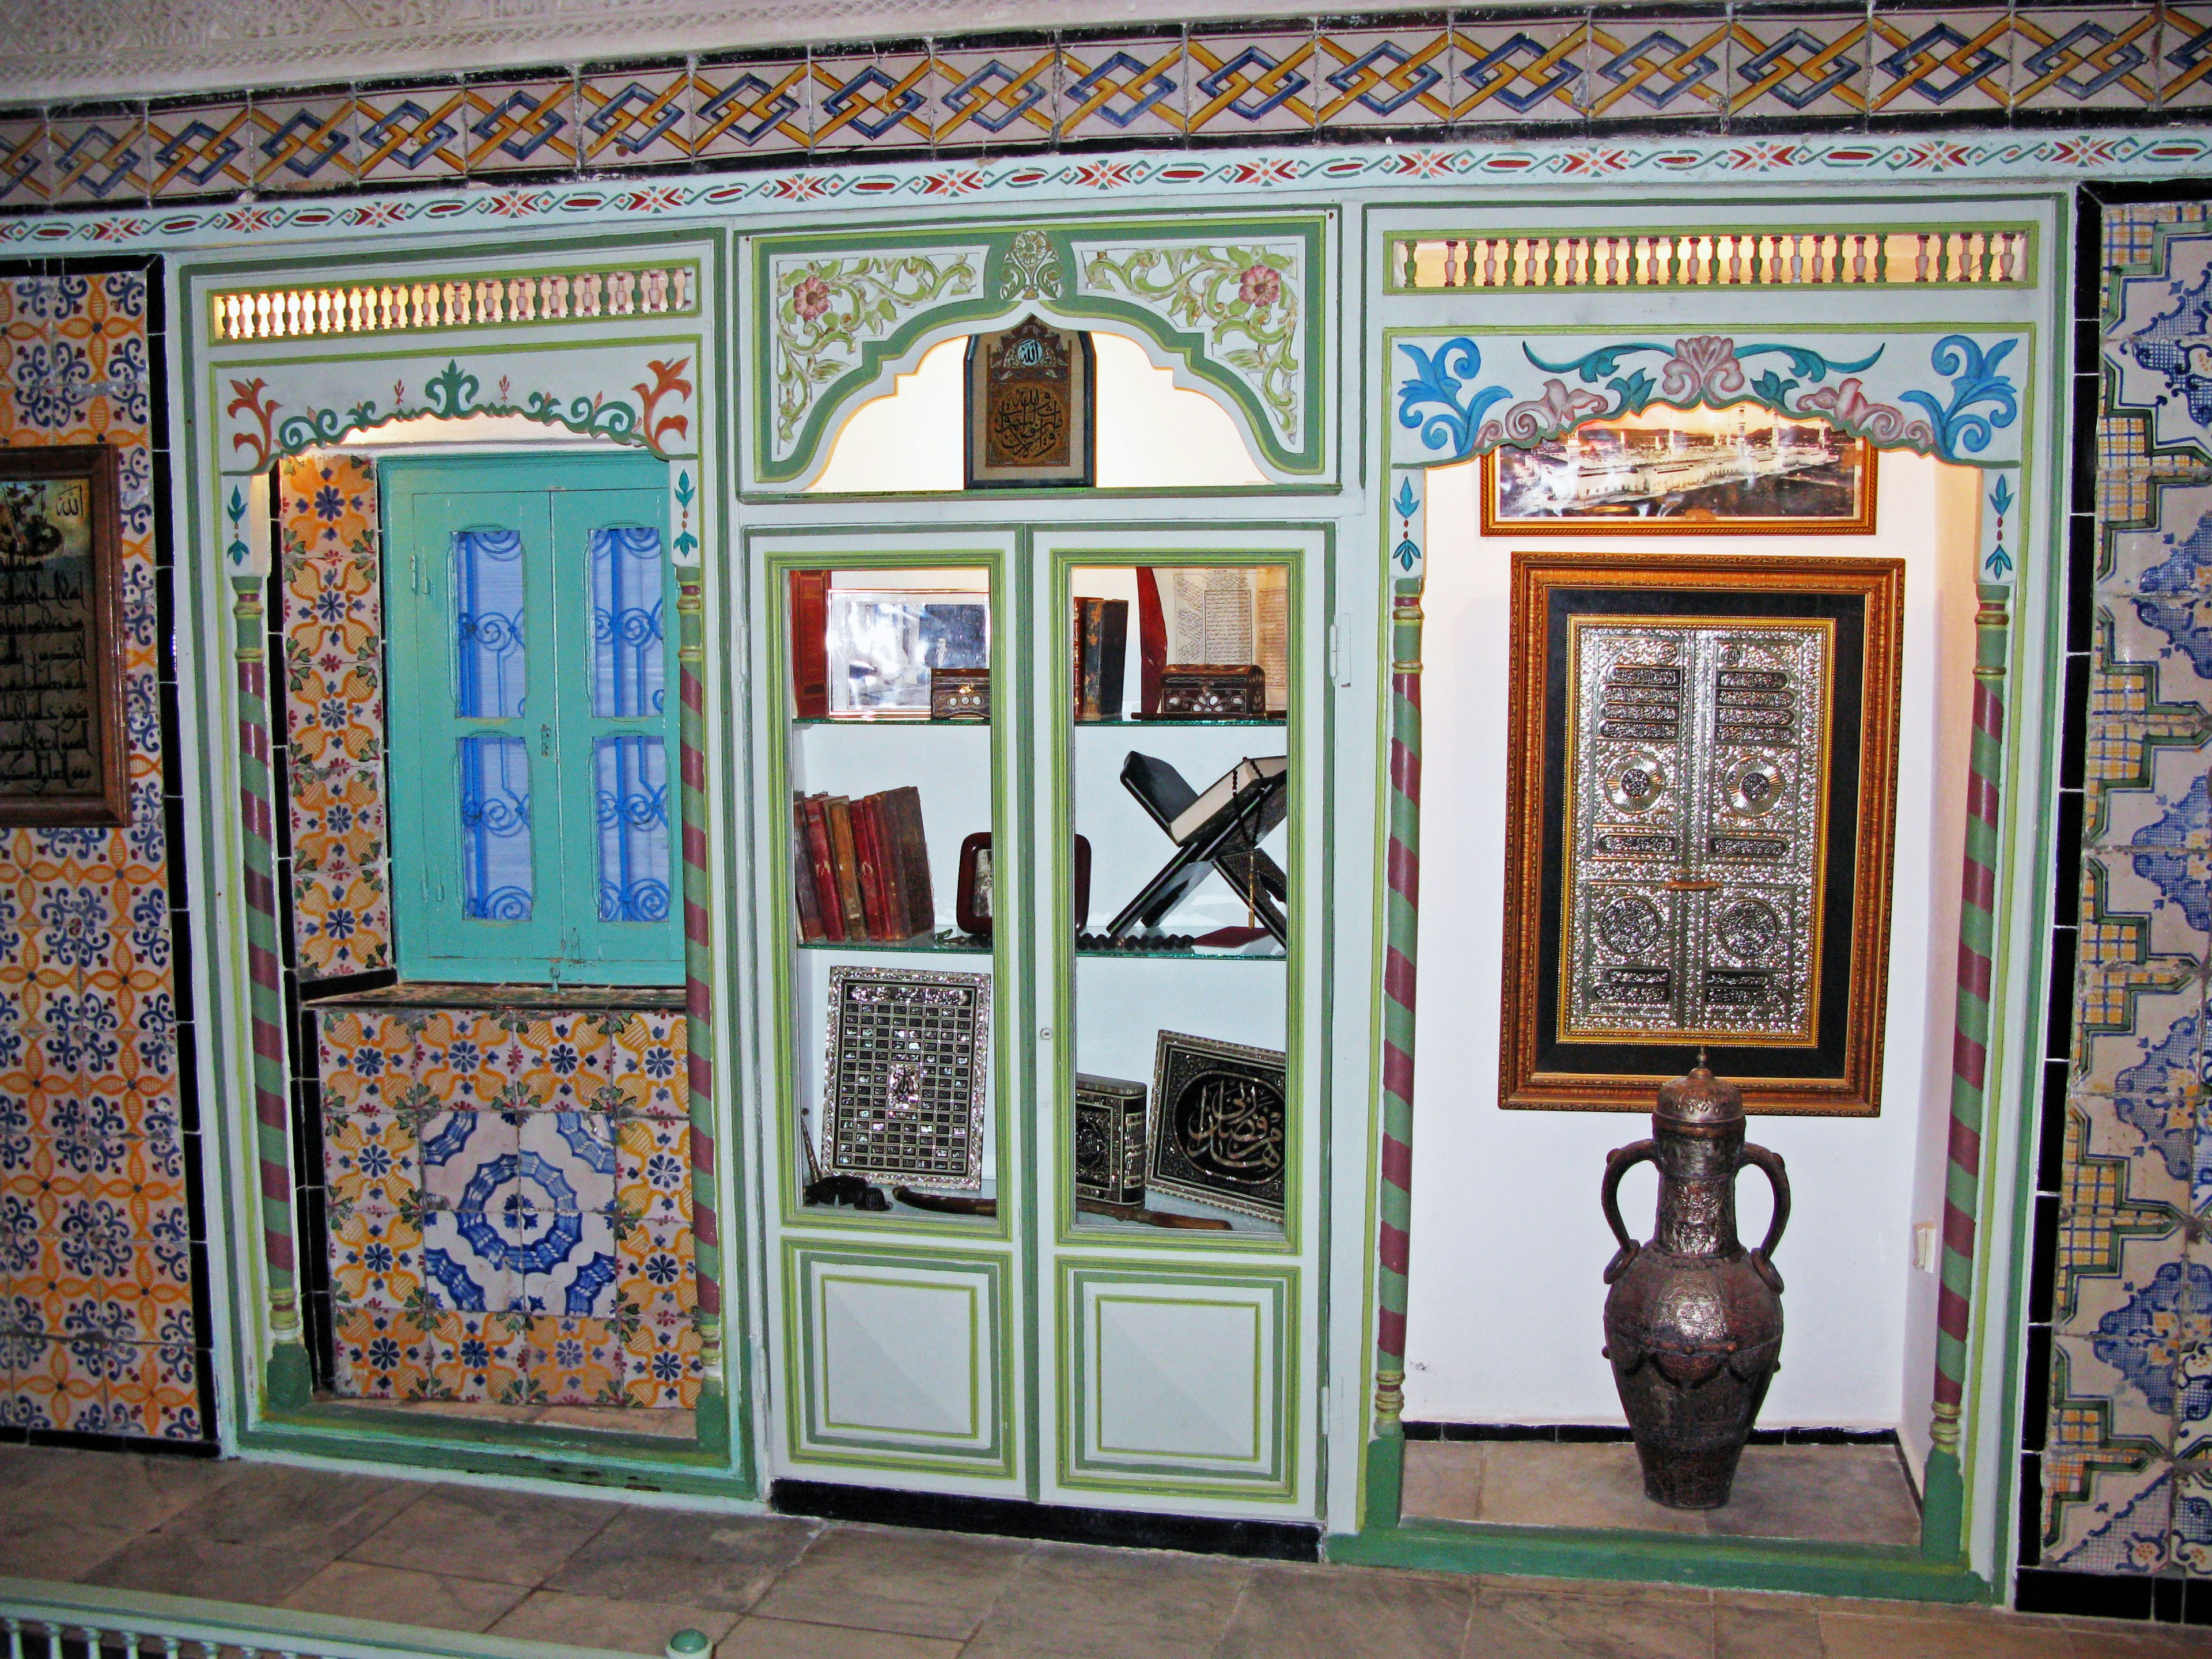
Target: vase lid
1699	1096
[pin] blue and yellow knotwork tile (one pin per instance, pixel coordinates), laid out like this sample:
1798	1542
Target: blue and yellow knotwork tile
1122	88
303	140
1518	70
751	107
1791	63
412	133
26	177
1645	67
993	96
101	156
516	125
1380	77
199	149
2185	56
879	100
1928	62
1252	81
2106	1510
634	119
2082	58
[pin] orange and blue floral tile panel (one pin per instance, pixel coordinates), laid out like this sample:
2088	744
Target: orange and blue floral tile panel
509	1198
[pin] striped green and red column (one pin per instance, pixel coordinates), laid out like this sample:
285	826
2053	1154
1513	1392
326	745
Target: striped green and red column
287	1379
1969	1063
1401	901
698	977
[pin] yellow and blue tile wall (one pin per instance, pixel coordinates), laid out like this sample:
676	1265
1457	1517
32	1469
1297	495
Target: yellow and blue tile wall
506	1191
102	1320
1566	68
2123	1344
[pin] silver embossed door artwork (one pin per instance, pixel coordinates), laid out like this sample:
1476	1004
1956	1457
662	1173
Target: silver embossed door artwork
1696	822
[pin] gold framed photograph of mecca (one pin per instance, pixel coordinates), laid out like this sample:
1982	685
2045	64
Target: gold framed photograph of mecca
1742	470
1701	794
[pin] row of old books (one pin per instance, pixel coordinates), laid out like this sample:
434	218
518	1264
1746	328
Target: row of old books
861	868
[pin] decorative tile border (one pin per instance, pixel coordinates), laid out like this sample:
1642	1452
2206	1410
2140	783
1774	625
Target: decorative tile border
1700	65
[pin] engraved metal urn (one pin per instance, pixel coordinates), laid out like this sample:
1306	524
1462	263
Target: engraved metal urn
1694	1321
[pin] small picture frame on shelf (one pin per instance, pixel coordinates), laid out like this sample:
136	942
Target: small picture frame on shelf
906	1076
971	907
1220	1124
883	647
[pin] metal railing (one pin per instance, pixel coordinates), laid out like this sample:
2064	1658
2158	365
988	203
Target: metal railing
43	1621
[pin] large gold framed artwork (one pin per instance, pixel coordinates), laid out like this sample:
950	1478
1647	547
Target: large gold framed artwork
1702	796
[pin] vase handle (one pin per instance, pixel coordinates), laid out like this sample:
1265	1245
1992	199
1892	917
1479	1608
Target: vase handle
1770	1166
1618	1163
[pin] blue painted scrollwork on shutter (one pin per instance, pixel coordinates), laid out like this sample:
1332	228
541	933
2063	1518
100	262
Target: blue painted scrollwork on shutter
495	865
627	582
488	600
632	777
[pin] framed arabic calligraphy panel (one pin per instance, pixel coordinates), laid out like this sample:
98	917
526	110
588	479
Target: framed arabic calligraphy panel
1032	408
1219	1124
1702	796
63	759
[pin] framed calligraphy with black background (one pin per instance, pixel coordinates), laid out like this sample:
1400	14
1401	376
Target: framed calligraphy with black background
1032	408
1702	796
63	759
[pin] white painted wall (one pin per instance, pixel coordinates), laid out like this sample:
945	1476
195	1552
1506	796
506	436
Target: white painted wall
1508	1245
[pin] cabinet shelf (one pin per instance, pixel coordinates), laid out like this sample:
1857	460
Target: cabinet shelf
1088	953
944	944
899	722
1127	725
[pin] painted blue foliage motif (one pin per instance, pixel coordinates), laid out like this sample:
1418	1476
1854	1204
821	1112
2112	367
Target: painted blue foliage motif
2154	1097
496	879
2172	347
1960	426
631	775
1407	553
1998	565
2175	596
2143	1339
1438	379
627	584
2175	854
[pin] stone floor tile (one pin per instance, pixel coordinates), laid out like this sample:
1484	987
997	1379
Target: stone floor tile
314	1509
786	1639
1514	1623
1766	1633
40	1546
1443	1481
1540	1483
435	1600
127	1490
667	1424
1074	1602
2112	1638
501	1536
1292	1612
594	1621
725	1561
1838	1494
1896	1635
191	1564
892	1578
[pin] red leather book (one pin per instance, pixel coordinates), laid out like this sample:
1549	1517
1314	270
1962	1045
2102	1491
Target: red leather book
848	863
822	859
903	807
810	644
1151	640
867	843
803	896
898	910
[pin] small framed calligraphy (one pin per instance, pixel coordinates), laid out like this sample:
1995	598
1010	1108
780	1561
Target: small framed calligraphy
1032	409
1220	1124
1702	786
62	757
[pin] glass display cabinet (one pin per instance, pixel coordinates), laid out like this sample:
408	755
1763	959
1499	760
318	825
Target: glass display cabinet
1043	1000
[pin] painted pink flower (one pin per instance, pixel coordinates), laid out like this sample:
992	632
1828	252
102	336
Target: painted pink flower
1260	286
1704	369
810	298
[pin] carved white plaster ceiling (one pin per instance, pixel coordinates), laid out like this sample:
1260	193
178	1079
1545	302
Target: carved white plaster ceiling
52	49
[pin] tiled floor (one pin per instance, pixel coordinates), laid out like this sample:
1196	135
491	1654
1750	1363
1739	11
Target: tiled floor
586	1572
1847	1494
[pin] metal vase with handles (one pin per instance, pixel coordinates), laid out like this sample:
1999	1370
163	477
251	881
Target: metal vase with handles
1694	1321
